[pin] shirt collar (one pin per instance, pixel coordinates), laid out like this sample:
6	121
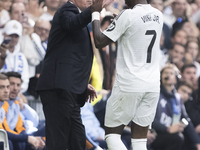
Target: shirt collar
76	6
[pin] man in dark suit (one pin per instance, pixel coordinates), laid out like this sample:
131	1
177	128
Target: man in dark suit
63	83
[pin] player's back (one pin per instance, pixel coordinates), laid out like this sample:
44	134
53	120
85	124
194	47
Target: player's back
139	49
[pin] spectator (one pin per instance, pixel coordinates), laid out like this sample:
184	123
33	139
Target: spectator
192	108
29	116
22	121
18	12
42	28
192	47
4	15
191	105
188	74
170	110
15	60
177	55
179	36
32	48
15	140
159	4
6	4
34	9
185	90
189	27
52	6
178	11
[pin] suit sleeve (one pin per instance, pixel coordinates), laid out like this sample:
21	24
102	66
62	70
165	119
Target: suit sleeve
71	21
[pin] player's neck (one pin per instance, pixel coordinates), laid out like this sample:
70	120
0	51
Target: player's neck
138	2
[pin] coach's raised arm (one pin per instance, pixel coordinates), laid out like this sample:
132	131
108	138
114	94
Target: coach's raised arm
100	39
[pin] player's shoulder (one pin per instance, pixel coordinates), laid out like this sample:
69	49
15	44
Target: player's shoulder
124	13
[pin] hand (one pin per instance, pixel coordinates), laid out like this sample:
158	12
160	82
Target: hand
36	142
197	129
27	29
91	93
97	5
176	128
21	104
104	92
150	137
33	141
3	49
41	143
198	146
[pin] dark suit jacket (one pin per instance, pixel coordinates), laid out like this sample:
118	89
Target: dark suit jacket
68	61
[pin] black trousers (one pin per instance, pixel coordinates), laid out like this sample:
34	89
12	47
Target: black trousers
64	128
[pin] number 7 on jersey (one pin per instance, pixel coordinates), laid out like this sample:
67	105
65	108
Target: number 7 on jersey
150	32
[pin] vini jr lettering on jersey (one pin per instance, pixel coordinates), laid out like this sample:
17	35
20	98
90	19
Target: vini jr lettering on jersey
148	18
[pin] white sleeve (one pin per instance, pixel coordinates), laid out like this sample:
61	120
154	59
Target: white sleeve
118	26
25	75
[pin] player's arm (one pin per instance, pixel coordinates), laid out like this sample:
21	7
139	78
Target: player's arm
100	39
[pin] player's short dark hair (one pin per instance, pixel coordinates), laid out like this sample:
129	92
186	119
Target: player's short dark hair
106	18
13	74
184	83
187	66
3	77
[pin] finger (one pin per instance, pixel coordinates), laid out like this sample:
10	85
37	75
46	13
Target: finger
115	15
95	93
4	45
87	98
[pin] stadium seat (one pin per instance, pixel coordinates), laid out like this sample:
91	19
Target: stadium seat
4	139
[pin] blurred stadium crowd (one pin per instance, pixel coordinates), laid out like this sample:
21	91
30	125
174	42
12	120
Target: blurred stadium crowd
27	23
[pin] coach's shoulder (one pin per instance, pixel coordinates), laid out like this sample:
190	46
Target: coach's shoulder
68	6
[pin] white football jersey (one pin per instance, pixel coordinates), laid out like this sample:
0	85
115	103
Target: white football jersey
138	32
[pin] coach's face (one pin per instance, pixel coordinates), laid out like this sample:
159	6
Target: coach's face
82	4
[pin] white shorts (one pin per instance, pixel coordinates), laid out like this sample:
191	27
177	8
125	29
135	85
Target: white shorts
123	107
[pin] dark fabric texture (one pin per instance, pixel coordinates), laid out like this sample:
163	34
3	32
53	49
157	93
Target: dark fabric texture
64	128
68	60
